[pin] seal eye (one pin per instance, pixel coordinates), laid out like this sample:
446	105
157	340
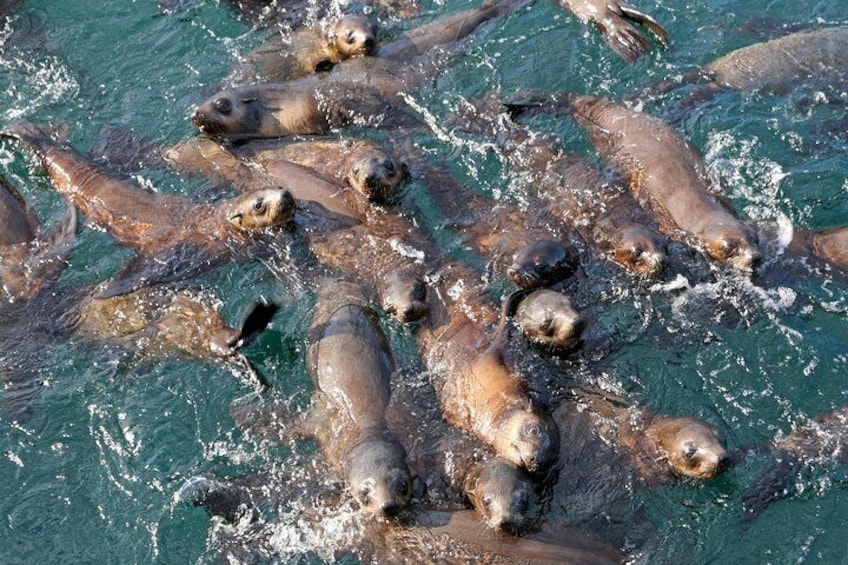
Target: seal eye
533	430
259	206
486	501
349	37
689	453
389	166
223	106
364	495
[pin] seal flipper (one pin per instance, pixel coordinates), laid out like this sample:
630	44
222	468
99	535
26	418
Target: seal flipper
123	149
53	246
772	485
183	261
218	498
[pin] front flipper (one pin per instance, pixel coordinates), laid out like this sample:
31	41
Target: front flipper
772	485
218	498
615	21
184	261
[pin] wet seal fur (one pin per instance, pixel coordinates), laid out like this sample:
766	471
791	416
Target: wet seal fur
351	363
174	237
476	389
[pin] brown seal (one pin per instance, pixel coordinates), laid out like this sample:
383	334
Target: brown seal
820	442
615	19
350	362
357	90
668	176
661	448
29	255
363	164
570	189
174	237
542	263
478	392
307	51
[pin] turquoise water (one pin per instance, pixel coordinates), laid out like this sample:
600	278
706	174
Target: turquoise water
91	478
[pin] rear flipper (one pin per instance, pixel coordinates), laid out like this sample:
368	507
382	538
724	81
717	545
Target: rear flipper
772	485
218	498
615	19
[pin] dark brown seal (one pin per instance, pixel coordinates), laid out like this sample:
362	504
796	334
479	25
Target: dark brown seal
615	19
156	224
351	363
307	51
668	176
29	255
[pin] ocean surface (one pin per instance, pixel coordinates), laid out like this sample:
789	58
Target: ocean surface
92	476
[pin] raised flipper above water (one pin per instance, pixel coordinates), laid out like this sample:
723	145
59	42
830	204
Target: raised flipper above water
615	19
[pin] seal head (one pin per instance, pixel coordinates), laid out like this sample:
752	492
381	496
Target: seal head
547	317
694	448
377	175
353	35
542	263
733	243
230	112
527	436
502	493
404	295
261	209
637	248
378	476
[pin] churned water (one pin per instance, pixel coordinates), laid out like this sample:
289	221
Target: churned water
92	476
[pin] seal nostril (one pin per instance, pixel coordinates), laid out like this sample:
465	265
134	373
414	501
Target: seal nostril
390	509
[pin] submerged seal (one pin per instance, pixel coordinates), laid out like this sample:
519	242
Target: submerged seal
820	442
174	237
661	448
350	362
570	189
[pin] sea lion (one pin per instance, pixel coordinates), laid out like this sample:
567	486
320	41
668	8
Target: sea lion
661	448
364	165
570	189
159	320
613	19
456	537
350	363
547	318
174	238
668	176
477	390
361	89
820	442
307	51
30	256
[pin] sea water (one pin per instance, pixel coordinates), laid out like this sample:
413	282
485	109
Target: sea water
92	477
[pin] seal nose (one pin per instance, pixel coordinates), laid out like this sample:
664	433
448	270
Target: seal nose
369	44
390	509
